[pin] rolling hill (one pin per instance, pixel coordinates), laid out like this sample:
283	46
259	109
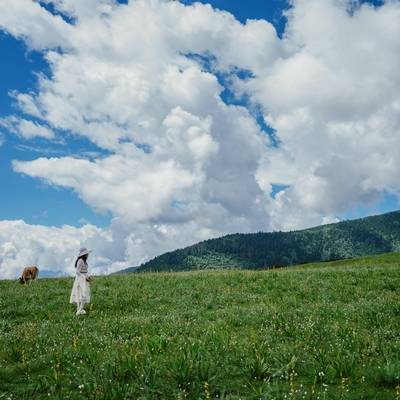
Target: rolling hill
347	239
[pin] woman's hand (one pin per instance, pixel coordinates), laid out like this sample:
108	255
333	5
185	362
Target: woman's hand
88	279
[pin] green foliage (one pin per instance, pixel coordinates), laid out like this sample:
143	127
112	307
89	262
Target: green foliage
316	331
348	239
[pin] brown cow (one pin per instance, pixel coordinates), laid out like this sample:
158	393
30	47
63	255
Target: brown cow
29	274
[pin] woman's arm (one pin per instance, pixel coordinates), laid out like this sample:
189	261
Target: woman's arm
88	277
79	267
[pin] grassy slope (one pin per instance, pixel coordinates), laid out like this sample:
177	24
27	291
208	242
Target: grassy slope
380	260
327	331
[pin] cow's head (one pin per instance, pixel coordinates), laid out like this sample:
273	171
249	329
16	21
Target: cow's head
20	280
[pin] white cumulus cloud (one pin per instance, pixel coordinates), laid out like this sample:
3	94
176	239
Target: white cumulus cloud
52	249
25	128
142	81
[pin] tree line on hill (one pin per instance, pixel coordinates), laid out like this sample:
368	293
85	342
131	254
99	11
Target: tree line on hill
347	239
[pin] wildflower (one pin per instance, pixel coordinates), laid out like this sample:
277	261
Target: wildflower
74	342
207	391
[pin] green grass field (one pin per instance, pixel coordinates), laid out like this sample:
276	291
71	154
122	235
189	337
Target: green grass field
317	331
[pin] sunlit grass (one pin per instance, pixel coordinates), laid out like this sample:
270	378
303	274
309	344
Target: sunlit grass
318	331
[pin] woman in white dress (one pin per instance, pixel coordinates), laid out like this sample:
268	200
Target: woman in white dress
80	294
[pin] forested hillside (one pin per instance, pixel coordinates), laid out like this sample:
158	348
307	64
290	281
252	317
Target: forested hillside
347	239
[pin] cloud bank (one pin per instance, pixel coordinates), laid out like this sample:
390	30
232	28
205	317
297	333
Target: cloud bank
145	82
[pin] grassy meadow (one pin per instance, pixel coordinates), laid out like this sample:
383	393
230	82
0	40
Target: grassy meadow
316	331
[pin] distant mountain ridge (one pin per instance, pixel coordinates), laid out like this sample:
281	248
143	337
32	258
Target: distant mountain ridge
346	239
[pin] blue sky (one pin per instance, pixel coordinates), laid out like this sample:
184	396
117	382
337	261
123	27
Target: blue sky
195	128
38	203
22	197
271	10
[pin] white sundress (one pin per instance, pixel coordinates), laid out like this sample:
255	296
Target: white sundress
81	288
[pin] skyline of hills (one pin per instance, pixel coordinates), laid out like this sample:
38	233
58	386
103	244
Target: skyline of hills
345	239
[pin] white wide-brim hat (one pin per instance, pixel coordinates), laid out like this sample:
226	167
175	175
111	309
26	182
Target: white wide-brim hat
84	251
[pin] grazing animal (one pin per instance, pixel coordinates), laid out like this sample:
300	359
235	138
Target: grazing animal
29	274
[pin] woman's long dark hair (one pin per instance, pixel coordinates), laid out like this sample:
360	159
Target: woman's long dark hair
84	258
